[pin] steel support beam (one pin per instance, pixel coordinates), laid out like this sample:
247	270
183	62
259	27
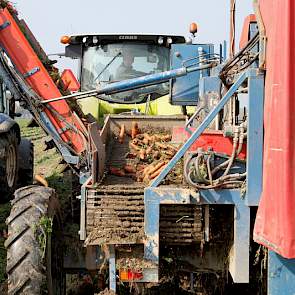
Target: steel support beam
239	253
255	137
112	268
152	200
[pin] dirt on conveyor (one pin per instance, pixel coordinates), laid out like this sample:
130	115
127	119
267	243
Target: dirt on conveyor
106	292
115	208
115	219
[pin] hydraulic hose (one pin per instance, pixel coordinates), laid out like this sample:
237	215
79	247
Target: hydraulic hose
233	155
192	165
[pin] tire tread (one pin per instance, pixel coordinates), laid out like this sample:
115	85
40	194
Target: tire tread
25	267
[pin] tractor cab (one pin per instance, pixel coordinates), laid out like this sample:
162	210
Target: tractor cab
107	59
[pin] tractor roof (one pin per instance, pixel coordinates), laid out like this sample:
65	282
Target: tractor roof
93	39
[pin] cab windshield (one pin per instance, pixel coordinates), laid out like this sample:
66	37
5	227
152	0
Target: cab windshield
116	62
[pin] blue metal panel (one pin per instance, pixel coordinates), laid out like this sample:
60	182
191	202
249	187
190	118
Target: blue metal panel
152	200
196	134
185	91
281	275
255	138
220	197
152	219
82	231
224	50
151	244
239	253
210	84
112	268
253	29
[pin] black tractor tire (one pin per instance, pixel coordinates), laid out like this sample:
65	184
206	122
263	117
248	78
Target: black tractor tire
26	163
8	164
34	264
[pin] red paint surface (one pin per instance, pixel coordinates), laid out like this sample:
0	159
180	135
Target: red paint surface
70	81
129	275
275	220
245	31
25	59
213	139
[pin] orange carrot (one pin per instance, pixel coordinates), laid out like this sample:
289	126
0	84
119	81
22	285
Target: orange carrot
134	130
135	141
134	146
170	146
142	154
122	133
157	167
117	171
166	137
41	180
147	137
146	179
147	169
140	167
149	150
155	174
161	145
129	168
170	153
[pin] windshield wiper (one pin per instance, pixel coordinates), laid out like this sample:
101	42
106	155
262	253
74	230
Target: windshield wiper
107	65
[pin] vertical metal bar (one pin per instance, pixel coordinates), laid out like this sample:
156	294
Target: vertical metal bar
207	223
239	254
255	137
82	231
262	35
152	232
224	50
199	130
192	281
151	220
112	268
232	28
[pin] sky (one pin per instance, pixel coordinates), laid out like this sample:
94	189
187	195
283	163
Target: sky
49	20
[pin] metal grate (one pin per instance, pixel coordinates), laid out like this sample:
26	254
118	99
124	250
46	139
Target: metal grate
181	224
116	216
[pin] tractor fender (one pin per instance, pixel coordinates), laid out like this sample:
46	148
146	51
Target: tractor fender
8	124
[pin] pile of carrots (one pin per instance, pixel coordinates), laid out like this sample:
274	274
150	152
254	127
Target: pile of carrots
148	154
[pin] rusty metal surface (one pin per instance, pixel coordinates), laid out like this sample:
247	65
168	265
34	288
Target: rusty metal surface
114	218
115	215
97	152
181	224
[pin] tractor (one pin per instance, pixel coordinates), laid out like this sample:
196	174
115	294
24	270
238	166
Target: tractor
16	167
